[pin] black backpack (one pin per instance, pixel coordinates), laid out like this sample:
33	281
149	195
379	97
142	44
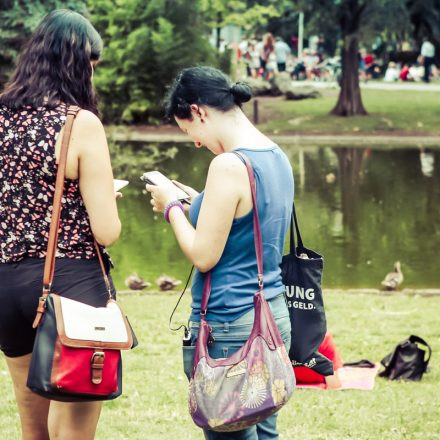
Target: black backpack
407	361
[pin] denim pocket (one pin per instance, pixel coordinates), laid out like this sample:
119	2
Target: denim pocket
188	358
225	348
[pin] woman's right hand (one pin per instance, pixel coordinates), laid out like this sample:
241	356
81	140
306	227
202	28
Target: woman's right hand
190	191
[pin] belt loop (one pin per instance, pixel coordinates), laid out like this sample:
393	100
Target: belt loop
226	327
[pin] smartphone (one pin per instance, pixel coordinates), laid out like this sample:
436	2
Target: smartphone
157	178
119	184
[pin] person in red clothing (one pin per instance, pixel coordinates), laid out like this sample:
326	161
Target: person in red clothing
305	375
404	73
369	64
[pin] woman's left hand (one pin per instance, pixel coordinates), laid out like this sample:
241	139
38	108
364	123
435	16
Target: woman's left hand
161	196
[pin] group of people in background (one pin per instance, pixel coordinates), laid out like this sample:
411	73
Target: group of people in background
269	55
424	69
265	57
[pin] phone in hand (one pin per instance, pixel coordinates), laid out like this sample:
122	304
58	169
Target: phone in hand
157	178
119	184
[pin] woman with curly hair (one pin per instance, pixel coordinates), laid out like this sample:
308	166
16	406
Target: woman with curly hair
54	71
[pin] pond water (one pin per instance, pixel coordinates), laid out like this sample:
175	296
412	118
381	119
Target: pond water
362	209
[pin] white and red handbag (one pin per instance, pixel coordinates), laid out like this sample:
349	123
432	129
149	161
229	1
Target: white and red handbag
77	349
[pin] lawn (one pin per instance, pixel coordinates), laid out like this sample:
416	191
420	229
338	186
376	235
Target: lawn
364	326
390	113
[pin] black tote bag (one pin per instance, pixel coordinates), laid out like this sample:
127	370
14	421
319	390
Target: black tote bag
302	280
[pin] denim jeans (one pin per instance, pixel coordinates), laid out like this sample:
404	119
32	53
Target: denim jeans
229	337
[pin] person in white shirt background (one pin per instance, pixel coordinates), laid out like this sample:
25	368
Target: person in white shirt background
427	53
282	52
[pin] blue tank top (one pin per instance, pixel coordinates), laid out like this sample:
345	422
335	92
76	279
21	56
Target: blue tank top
234	278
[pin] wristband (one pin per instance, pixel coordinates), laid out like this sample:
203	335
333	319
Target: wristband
171	205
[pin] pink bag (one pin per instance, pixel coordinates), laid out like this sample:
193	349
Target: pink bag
231	394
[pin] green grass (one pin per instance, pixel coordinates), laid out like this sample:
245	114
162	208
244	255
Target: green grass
390	112
154	403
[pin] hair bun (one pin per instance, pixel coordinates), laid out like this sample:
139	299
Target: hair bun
241	92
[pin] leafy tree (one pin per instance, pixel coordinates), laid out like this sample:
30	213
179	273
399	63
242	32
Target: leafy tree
17	21
250	15
146	43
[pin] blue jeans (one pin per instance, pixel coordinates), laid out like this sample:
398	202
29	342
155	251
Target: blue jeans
230	337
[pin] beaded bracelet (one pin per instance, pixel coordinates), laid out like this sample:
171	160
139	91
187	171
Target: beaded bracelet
171	205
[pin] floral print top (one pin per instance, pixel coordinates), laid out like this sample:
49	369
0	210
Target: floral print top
28	171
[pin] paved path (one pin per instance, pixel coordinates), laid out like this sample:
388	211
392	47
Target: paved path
374	85
155	135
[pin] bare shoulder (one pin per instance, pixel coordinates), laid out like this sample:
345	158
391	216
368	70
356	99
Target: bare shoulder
86	121
88	135
227	163
227	176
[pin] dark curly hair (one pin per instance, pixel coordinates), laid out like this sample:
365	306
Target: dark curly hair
203	85
55	65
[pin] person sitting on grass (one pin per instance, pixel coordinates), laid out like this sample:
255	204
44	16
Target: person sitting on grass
307	376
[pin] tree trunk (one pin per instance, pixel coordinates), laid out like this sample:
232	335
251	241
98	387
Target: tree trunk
218	29
350	100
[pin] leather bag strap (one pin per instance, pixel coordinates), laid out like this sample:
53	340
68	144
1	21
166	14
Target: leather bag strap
257	239
49	265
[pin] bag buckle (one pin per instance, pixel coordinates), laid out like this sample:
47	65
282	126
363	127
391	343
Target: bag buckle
97	365
211	338
41	307
260	280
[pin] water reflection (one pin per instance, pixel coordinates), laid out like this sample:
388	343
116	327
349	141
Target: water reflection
362	209
350	172
427	161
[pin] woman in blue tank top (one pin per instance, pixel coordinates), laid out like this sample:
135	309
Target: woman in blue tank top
219	234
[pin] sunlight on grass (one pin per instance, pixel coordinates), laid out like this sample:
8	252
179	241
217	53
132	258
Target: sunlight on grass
389	112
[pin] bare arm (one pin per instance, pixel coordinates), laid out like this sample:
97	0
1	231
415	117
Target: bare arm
96	177
205	244
226	182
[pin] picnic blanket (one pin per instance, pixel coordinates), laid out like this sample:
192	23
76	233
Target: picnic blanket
354	378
